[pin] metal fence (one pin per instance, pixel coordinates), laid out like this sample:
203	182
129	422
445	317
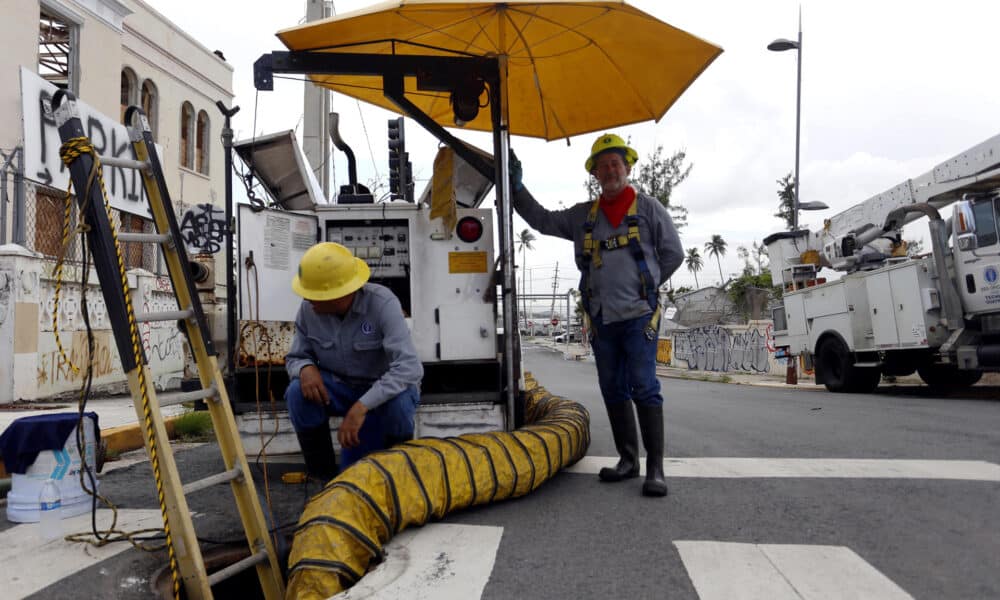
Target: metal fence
33	215
11	193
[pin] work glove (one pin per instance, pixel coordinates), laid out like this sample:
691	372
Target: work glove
515	172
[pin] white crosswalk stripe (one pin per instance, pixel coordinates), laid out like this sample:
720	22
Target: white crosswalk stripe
732	571
966	470
22	551
437	561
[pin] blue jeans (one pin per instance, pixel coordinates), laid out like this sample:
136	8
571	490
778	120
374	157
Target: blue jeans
626	362
392	420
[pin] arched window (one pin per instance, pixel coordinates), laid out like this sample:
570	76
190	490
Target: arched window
150	101
187	135
201	143
130	90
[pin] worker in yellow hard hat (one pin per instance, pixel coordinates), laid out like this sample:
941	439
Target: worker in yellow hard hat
351	356
626	248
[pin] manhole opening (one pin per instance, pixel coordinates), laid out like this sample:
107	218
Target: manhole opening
244	585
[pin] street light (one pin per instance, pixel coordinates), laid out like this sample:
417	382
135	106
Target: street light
780	45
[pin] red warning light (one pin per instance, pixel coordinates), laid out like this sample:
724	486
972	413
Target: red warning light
469	229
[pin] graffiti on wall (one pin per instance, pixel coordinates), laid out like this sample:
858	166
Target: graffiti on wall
715	348
54	370
204	229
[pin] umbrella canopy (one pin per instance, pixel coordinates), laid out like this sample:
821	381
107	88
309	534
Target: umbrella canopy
573	66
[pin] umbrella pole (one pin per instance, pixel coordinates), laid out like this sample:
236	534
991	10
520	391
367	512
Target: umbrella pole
501	151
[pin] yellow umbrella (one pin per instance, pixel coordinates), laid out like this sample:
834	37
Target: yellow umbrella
573	67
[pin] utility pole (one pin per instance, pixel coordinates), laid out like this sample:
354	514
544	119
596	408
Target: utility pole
555	283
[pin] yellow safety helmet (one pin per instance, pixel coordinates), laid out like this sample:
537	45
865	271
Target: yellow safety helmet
329	271
610	141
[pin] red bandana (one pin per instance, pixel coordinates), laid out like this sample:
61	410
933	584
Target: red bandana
615	208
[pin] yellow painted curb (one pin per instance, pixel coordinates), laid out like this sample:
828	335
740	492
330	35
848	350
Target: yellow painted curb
129	437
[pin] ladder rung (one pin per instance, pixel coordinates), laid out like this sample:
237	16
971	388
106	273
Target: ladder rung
237	567
182	397
211	480
126	163
145	238
170	315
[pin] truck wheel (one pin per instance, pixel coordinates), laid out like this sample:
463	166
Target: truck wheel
944	377
839	373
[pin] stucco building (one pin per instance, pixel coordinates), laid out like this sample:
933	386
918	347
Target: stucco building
110	54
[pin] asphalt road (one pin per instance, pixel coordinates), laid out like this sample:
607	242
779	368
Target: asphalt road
933	538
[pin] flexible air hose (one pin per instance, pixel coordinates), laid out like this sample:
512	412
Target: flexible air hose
343	528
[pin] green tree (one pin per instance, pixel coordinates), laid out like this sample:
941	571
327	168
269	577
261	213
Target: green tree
657	176
914	247
759	255
786	200
751	293
744	255
694	263
717	248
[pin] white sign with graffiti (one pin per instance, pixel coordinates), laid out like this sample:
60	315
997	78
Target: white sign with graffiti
109	137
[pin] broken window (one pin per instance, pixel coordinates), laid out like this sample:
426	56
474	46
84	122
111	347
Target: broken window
201	144
57	50
150	104
130	91
187	135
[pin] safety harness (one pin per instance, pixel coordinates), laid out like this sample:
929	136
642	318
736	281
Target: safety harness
592	256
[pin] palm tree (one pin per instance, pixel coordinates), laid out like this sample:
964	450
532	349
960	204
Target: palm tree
693	262
523	243
717	248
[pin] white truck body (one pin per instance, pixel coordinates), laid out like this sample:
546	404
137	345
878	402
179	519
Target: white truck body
891	314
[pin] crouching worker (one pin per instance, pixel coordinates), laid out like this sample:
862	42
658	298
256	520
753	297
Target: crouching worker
351	356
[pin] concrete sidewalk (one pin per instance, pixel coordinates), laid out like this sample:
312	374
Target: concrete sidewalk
578	352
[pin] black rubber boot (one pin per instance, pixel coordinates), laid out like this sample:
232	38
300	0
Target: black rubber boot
651	425
317	450
626	442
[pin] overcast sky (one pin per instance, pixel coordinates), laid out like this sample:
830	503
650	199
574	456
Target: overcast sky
889	89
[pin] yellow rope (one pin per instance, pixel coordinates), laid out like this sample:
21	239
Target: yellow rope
69	152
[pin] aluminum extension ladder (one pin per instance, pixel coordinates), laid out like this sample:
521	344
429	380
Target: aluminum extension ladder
187	564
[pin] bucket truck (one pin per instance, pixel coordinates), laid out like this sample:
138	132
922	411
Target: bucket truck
888	313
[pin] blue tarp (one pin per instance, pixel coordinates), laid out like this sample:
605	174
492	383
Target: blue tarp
27	436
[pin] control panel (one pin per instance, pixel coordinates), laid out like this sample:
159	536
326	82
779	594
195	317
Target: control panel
384	245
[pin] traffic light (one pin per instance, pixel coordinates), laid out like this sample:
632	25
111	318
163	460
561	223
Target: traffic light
397	159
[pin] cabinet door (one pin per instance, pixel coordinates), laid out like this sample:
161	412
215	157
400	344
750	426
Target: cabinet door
908	307
880	305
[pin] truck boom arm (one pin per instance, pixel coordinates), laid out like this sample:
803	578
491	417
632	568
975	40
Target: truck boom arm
843	237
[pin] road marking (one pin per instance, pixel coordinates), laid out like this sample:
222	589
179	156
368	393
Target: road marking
439	561
732	571
32	564
966	470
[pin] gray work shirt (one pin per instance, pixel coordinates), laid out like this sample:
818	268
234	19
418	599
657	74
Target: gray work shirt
369	346
616	290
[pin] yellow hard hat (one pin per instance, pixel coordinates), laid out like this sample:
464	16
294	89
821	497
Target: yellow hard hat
610	141
329	271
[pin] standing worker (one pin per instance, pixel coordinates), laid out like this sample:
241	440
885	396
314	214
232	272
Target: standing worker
626	247
351	356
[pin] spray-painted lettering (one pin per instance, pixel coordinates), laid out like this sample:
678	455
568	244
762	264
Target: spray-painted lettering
715	348
42	144
202	230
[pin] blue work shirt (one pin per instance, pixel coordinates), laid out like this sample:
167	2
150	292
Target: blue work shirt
369	347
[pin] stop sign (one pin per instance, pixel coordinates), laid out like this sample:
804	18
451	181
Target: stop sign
554	321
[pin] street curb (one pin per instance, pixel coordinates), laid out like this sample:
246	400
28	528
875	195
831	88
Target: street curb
129	437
